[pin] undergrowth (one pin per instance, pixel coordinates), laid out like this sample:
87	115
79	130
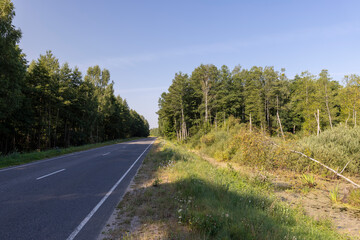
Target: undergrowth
336	148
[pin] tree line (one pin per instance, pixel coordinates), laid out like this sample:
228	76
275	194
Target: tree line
261	96
45	104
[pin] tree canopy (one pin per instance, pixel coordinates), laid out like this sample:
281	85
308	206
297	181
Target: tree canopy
260	95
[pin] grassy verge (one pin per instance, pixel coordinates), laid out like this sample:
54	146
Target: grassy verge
22	158
178	195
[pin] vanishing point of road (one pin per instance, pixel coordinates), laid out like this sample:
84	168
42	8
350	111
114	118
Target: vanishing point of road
70	196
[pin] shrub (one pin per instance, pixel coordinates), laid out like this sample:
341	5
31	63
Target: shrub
335	148
208	139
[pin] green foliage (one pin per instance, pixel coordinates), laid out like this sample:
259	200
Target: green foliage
208	139
12	75
308	180
154	132
334	195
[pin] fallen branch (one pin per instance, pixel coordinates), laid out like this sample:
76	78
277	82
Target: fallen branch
345	166
314	160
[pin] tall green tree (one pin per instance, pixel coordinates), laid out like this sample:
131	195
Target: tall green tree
204	79
350	99
12	74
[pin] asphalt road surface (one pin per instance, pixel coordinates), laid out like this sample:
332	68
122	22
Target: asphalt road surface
70	196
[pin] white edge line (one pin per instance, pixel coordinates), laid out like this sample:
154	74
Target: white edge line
62	156
87	218
50	174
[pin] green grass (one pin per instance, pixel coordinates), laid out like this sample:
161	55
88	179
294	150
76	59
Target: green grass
22	158
334	195
221	203
308	180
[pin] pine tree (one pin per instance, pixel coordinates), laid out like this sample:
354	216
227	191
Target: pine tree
12	75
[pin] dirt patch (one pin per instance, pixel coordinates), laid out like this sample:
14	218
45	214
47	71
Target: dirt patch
317	203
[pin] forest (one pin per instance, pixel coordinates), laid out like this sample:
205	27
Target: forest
46	105
261	96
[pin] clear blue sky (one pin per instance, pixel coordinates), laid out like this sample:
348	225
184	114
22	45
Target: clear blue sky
143	43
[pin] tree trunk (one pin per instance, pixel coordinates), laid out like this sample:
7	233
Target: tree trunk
56	122
278	118
224	119
65	133
206	105
317	116
97	132
49	130
69	135
250	123
215	121
355	119
327	107
183	124
347	119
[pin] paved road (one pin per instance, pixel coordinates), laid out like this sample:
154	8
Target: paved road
67	197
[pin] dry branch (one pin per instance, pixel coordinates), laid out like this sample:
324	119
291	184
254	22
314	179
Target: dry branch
345	166
332	170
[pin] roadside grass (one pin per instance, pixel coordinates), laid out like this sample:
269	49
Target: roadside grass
16	158
193	199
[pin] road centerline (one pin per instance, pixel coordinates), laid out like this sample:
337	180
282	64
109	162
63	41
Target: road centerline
106	153
47	175
93	211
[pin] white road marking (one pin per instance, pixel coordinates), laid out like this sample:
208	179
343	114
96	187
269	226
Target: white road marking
88	217
106	153
50	174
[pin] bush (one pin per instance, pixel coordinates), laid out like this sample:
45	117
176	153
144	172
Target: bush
335	148
208	139
234	142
